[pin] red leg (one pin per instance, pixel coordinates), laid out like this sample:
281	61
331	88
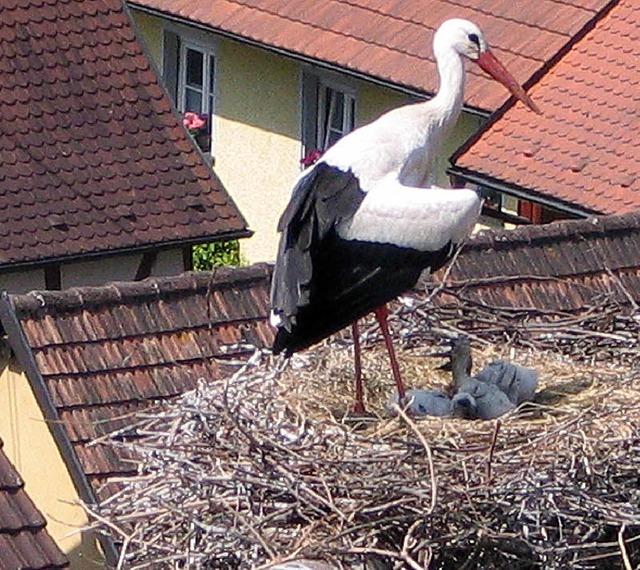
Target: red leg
381	315
358	407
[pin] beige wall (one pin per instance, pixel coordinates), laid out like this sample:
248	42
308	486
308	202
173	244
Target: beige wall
467	125
118	268
258	135
170	262
373	101
99	271
257	127
96	272
29	445
149	30
22	281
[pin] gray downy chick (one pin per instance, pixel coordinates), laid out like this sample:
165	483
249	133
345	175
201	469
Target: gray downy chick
474	398
517	382
480	400
422	402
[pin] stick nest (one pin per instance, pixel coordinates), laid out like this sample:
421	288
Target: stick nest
269	466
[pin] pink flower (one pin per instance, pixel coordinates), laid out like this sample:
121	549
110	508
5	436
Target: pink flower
193	122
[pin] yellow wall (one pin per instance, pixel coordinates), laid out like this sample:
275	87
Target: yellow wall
257	127
257	138
149	29
94	272
373	101
29	445
467	125
118	268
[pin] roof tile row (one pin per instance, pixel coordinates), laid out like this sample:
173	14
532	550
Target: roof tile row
24	542
105	352
392	40
582	150
94	157
563	266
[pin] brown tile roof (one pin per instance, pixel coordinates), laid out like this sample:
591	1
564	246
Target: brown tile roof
93	158
584	149
567	266
24	542
392	40
105	352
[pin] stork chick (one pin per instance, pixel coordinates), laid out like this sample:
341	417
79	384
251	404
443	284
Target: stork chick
474	398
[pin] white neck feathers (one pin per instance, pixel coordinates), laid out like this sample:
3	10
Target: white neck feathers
451	70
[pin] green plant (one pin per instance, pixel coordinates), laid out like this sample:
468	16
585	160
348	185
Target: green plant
209	255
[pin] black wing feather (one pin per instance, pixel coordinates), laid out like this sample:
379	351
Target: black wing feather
352	278
321	199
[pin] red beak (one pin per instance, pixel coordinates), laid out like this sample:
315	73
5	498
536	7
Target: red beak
489	63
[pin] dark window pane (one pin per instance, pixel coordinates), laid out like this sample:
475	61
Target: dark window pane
193	100
352	115
334	136
212	68
338	110
194	68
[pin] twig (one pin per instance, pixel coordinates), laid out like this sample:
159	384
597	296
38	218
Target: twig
427	448
492	447
259	467
623	549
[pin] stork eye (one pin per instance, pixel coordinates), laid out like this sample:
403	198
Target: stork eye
473	38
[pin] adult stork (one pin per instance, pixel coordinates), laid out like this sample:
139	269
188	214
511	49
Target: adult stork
366	219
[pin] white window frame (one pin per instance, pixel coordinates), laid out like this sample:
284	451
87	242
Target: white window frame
315	88
324	122
192	39
208	87
209	80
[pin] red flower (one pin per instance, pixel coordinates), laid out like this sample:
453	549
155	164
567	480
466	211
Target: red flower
311	158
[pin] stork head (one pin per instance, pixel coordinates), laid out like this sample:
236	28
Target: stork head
466	39
461	35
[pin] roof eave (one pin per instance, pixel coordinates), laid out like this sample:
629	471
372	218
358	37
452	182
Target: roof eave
41	262
380	81
522	193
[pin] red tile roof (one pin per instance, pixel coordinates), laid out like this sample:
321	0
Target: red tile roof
584	149
392	40
93	156
106	352
24	542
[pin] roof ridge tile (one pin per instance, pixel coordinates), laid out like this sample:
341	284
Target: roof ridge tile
78	298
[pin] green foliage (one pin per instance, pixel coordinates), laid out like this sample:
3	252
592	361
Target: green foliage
210	255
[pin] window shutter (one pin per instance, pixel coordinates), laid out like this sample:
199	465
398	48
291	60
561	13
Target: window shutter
531	211
171	63
310	84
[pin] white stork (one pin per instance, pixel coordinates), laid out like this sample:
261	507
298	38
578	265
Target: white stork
366	219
